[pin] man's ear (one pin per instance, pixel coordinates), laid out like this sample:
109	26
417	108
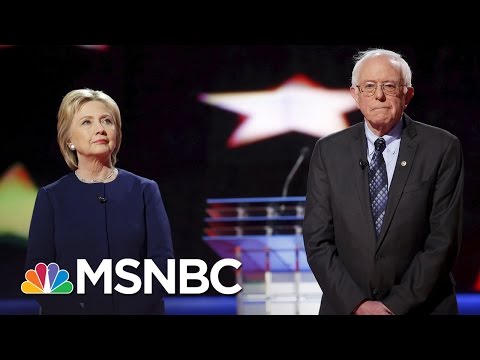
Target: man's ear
409	95
355	94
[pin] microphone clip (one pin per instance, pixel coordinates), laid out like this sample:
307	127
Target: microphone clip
363	164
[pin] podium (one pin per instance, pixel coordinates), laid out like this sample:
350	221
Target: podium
265	235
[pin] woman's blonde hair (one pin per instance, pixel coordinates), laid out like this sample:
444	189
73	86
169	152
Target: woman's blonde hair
71	104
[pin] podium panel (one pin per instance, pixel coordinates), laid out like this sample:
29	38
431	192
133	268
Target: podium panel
265	235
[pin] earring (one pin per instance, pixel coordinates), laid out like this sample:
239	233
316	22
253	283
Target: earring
72	147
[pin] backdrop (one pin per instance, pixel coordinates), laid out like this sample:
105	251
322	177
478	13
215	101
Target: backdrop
214	121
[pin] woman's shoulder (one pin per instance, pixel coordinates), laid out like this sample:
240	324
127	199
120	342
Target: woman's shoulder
64	181
125	175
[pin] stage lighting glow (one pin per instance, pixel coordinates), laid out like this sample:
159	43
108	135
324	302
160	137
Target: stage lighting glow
17	198
298	105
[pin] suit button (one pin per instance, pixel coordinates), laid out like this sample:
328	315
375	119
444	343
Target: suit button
375	291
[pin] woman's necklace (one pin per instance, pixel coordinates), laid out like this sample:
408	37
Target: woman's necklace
95	180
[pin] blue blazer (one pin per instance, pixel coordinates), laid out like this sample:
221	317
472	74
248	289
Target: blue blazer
125	218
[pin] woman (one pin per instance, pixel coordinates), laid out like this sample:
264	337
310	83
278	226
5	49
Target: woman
98	212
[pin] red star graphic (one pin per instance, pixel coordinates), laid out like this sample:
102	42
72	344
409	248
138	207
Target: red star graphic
298	105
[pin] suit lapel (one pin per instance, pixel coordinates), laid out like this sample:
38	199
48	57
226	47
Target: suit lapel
408	146
358	150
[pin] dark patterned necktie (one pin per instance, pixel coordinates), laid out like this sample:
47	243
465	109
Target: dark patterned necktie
378	184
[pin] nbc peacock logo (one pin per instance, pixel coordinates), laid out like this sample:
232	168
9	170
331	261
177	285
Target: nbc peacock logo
47	280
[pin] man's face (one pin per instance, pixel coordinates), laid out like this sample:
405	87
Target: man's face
382	96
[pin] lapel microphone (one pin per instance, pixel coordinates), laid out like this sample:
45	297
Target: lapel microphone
101	199
363	164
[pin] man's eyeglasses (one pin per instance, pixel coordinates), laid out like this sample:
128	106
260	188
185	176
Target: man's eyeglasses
369	88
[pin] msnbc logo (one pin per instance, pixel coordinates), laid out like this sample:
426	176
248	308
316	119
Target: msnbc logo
47	280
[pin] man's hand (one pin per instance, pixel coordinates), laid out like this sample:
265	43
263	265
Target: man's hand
370	307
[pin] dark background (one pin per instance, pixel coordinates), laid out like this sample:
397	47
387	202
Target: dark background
171	137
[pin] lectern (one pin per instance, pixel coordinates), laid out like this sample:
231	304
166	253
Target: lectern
265	235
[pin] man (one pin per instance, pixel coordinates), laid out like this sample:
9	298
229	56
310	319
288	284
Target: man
383	216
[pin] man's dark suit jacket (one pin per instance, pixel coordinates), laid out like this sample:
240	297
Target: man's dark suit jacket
409	267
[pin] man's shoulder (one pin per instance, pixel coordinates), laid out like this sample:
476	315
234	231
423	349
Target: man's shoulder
430	131
433	137
342	136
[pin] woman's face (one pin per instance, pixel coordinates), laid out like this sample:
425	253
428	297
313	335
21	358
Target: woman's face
93	131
